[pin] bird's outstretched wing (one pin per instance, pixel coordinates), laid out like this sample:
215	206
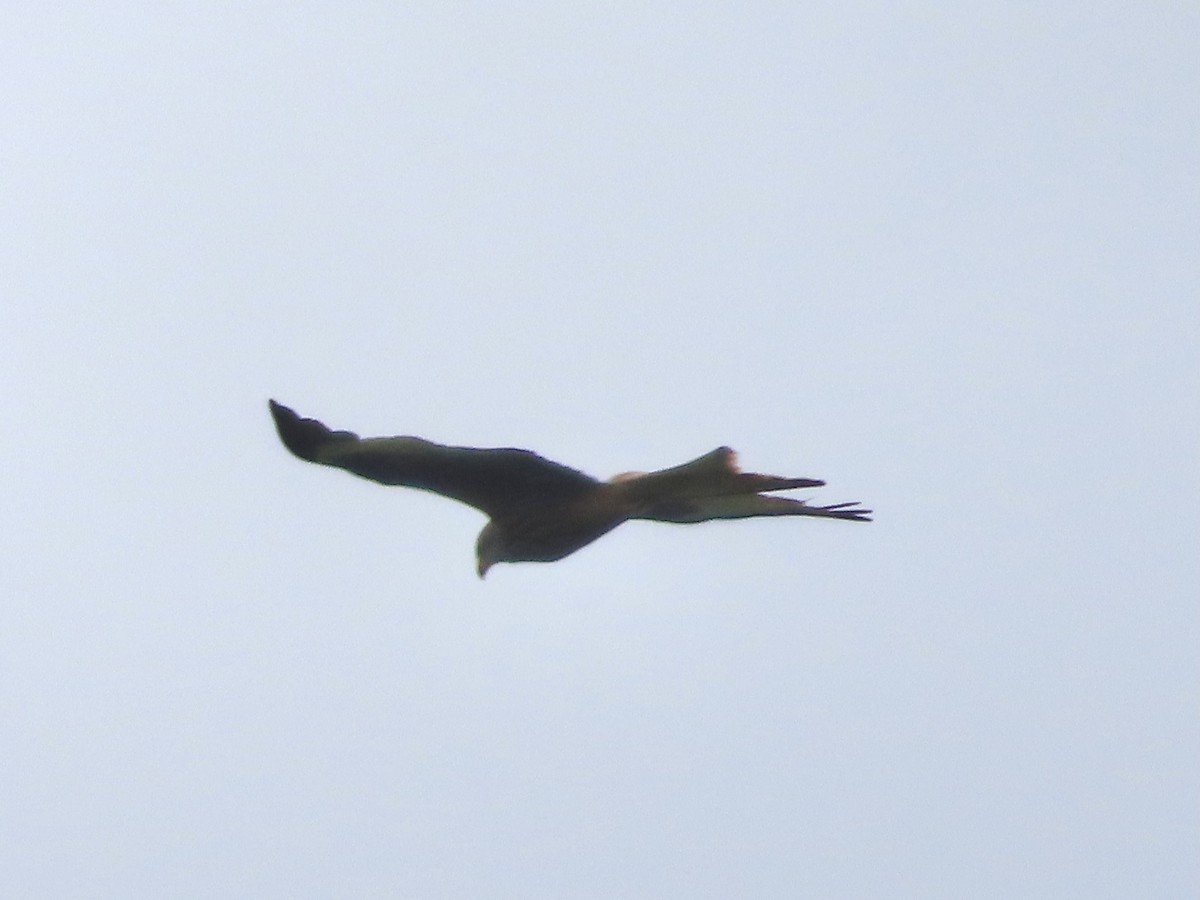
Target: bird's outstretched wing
713	487
496	481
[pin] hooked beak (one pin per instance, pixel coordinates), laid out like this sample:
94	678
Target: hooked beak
482	568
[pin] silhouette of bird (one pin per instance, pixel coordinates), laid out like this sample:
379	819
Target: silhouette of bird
542	511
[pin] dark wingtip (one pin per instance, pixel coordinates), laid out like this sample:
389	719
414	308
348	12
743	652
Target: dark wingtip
303	437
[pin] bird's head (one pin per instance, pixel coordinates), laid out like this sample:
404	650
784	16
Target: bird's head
490	548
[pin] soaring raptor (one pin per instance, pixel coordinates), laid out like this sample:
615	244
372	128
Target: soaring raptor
541	511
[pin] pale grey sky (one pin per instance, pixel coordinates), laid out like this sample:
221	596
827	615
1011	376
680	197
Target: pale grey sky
944	256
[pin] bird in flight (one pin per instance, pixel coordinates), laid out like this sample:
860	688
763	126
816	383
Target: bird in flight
542	511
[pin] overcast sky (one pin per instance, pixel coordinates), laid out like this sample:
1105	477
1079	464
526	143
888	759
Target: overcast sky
944	256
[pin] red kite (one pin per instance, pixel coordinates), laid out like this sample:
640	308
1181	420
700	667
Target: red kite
541	511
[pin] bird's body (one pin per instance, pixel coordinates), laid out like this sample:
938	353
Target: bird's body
542	511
